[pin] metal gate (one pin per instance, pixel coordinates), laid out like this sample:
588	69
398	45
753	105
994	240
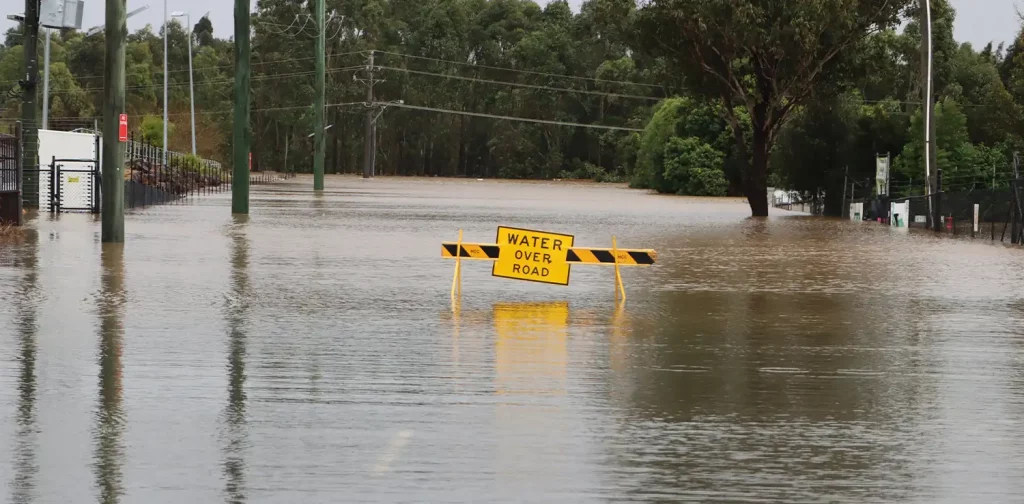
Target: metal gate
76	186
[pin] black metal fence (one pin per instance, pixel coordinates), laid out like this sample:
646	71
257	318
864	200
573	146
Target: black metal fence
10	157
149	180
992	214
10	176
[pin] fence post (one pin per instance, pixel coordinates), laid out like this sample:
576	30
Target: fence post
96	175
19	169
976	206
937	218
133	153
1013	212
54	185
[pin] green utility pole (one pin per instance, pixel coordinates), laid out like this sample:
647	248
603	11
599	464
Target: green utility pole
29	119
112	197
318	103
240	128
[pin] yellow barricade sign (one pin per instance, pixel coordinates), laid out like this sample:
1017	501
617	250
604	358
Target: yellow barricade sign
541	256
532	255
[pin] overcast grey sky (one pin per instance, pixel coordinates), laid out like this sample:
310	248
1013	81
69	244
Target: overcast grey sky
977	21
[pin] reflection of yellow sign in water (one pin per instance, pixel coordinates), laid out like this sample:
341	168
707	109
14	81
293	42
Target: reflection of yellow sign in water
531	349
533	255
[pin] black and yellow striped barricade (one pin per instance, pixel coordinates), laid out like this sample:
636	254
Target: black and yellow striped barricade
540	256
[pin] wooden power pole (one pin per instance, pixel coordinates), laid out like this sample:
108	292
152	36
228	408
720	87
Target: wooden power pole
240	135
368	135
318	103
112	198
29	117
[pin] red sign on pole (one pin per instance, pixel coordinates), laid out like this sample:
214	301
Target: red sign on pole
122	128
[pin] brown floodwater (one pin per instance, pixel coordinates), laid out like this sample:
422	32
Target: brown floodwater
310	353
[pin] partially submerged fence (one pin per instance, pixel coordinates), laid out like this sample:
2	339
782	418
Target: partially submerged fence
992	214
149	180
67	177
10	176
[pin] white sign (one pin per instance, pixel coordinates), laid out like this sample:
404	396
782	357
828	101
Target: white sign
881	174
899	212
920	219
857	211
61	13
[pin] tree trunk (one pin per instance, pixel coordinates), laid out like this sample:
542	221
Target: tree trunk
756	180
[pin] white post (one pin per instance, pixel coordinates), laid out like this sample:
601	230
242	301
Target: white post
976	217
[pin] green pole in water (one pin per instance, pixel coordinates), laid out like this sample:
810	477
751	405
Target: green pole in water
29	111
318	103
240	127
112	178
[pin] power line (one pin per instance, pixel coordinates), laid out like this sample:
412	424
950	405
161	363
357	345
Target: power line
516	84
509	118
531	72
258	21
215	67
177	114
156	85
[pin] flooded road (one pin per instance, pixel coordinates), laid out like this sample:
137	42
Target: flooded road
310	353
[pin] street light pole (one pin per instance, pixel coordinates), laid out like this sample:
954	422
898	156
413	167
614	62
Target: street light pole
165	85
191	88
929	120
46	80
46	63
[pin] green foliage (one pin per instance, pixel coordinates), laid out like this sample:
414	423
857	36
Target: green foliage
152	130
187	162
798	93
649	172
816	149
770	57
676	117
692	167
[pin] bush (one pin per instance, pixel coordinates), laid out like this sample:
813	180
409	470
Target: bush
677	117
693	168
582	170
153	130
188	162
648	173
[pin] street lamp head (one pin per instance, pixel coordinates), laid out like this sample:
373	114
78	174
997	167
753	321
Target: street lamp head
179	14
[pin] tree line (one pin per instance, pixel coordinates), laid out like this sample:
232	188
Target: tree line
705	98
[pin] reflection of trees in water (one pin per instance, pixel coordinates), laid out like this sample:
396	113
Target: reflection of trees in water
25	306
234	413
110	420
780	393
